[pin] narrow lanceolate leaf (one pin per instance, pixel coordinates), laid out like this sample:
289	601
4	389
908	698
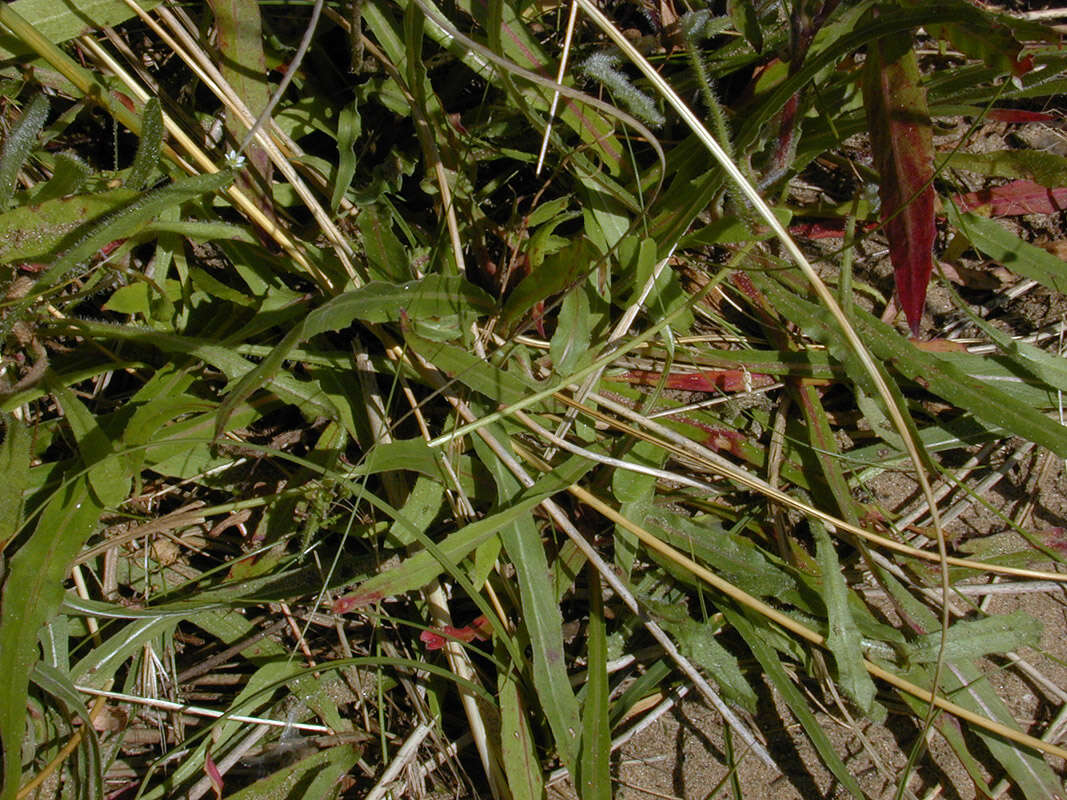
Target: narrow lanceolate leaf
32	593
243	64
902	142
19	142
148	149
15	467
843	635
541	615
975	638
517	744
595	765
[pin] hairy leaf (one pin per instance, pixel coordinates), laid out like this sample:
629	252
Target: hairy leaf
148	149
843	636
970	639
1009	250
20	141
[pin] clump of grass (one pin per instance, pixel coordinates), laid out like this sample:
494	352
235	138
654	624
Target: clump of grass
407	460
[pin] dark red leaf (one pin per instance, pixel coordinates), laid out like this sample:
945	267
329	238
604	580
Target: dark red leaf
1017	115
823	229
901	138
1013	199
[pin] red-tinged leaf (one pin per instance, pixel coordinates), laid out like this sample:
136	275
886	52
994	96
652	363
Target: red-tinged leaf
433	641
823	229
480	629
1013	115
712	380
724	439
1013	199
899	121
1054	538
213	774
342	605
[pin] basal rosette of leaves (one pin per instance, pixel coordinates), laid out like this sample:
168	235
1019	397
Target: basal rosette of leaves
367	446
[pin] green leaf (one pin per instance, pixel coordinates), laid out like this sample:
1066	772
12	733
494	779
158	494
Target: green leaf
69	173
58	684
1003	246
308	396
349	128
239	38
776	674
735	557
988	38
427	298
843	637
746	22
297	780
400	454
38	233
15	467
476	373
31	596
107	474
558	273
697	639
731	230
435	296
389	260
523	47
1039	166
20	141
541	614
148	148
422	567
517	745
131	219
967	686
133	299
969	639
594	768
938	375
59	22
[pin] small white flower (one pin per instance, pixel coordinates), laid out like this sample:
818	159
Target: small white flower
235	160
